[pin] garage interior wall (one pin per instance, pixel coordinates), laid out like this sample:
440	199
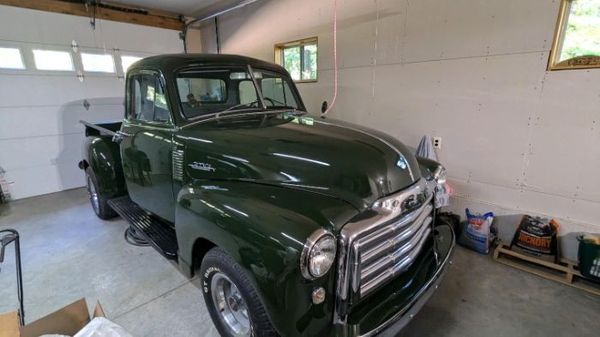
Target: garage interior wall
40	134
515	137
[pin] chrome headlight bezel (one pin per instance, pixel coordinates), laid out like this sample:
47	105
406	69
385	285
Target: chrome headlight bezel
317	239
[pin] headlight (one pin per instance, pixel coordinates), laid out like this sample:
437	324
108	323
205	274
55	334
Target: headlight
318	254
440	175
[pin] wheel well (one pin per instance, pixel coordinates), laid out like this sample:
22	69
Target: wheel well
201	247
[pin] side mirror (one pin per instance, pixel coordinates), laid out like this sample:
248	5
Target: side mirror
324	107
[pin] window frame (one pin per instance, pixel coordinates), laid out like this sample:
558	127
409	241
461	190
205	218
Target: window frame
279	48
129	99
581	62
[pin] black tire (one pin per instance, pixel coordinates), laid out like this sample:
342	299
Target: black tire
217	262
98	201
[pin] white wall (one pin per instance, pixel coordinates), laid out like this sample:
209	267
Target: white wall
40	137
516	138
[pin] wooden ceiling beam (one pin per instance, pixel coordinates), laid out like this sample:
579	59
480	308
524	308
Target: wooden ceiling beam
151	17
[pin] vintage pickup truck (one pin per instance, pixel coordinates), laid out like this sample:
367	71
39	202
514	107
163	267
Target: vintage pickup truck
295	225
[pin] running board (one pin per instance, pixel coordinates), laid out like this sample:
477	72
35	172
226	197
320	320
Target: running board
159	233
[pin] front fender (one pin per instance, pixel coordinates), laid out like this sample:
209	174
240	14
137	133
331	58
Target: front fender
264	229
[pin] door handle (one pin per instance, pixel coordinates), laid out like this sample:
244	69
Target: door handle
119	136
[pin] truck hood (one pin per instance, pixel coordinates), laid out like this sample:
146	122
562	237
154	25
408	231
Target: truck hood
325	156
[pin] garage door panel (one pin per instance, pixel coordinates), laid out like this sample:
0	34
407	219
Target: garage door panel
104	87
7	24
17	154
32	181
24	122
40	90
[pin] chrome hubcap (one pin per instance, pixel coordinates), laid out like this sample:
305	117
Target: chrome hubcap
93	195
230	305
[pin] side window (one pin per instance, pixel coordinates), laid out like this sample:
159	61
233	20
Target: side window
247	92
148	100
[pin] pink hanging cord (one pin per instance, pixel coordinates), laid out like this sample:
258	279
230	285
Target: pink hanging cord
335	63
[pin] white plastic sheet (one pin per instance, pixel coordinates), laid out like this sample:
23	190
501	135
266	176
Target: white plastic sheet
102	327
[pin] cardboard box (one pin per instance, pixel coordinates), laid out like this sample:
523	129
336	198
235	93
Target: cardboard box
65	321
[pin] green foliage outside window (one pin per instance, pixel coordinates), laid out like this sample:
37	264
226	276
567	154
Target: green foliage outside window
300	61
582	34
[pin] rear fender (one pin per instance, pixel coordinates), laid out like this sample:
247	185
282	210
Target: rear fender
102	156
264	229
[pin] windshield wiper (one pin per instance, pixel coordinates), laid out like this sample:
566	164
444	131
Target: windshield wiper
231	108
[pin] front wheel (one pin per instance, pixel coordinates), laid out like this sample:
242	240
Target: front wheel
231	299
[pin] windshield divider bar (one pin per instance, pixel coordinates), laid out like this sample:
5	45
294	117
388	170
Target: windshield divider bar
258	90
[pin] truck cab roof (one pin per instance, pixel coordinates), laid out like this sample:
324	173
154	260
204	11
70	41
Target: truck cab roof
172	62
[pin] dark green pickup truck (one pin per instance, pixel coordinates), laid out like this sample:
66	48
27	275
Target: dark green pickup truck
295	225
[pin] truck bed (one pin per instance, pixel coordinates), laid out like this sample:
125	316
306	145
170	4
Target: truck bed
101	129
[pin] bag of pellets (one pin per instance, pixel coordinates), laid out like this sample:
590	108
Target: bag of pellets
477	232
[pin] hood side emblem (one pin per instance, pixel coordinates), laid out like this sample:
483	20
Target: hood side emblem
202	167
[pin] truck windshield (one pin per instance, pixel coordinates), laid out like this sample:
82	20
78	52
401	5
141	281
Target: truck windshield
210	91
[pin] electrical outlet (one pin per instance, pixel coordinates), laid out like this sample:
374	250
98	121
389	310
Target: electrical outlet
437	142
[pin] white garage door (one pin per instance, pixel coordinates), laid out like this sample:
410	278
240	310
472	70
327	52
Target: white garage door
54	71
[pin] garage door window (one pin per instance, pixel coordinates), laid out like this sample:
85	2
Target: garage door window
577	38
53	60
127	61
101	63
10	58
299	58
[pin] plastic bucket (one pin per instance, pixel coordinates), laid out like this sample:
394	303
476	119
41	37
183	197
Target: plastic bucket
589	257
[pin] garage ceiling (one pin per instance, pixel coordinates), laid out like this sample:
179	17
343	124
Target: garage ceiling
194	8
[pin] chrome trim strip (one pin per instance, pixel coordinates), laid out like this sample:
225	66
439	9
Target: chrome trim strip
417	217
177	163
372	253
399	266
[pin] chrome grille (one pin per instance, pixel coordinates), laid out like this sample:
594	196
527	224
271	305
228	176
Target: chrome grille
390	250
383	242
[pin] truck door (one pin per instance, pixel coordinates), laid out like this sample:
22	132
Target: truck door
146	143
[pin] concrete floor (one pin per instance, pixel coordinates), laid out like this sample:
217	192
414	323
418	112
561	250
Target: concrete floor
68	253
